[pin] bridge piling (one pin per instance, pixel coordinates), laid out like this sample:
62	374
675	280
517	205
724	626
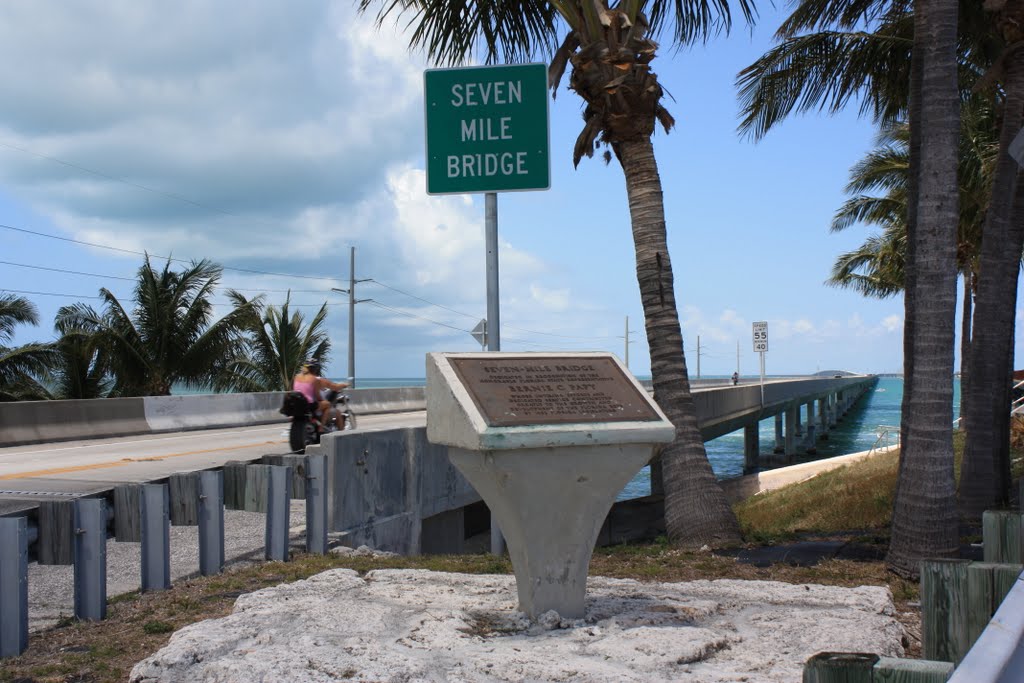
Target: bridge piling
751	446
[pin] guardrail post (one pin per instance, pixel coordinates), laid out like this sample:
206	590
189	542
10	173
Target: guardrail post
316	504
211	522
13	586
278	509
156	537
90	559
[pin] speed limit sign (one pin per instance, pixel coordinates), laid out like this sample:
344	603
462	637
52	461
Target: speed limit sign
760	336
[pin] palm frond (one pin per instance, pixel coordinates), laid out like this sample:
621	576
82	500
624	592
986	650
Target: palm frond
826	71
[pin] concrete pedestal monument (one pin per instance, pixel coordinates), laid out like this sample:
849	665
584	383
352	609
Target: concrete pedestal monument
548	440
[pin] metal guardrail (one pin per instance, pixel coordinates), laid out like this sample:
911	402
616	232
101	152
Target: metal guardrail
1017	406
885	435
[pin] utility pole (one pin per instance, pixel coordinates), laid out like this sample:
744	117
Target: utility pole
737	357
627	342
352	301
698	356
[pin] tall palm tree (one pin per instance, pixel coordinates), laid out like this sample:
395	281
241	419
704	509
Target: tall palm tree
21	366
827	70
278	342
924	522
169	337
609	48
985	477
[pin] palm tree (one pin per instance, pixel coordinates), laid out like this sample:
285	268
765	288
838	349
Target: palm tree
81	368
169	337
610	50
985	477
924	522
278	342
827	70
21	366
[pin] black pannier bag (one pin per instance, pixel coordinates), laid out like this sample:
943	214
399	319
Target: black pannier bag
294	404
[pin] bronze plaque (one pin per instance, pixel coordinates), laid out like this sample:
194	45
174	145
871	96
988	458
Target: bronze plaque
523	390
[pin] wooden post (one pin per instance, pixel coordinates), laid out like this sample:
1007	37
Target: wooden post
184	489
127	519
840	667
979	598
256	482
892	670
944	598
234	485
56	537
1001	536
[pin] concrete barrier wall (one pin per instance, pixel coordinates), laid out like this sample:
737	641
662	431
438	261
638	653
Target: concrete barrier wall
387	482
205	411
26	422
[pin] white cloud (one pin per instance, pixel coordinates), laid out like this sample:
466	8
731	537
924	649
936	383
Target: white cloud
892	323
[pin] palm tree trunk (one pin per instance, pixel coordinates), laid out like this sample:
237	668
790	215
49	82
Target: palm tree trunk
983	483
965	345
696	510
924	513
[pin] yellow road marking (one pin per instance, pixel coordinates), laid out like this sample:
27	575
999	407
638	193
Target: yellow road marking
125	461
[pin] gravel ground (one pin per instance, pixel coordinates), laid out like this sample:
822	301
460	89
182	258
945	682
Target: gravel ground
51	588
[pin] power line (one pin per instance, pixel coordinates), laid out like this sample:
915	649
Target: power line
70	296
418	298
413	315
168	258
63	270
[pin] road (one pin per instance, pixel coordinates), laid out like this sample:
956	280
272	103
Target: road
29	474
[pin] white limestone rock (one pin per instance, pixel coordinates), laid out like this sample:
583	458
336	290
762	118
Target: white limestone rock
416	625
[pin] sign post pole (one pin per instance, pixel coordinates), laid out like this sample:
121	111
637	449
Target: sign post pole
493	325
760	329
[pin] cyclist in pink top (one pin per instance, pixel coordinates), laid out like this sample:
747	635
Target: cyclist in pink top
309	383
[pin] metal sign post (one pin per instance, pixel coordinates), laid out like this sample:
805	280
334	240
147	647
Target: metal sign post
761	347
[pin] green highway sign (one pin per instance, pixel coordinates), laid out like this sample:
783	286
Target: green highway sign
487	129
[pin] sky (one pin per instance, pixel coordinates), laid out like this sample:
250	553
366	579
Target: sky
273	137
